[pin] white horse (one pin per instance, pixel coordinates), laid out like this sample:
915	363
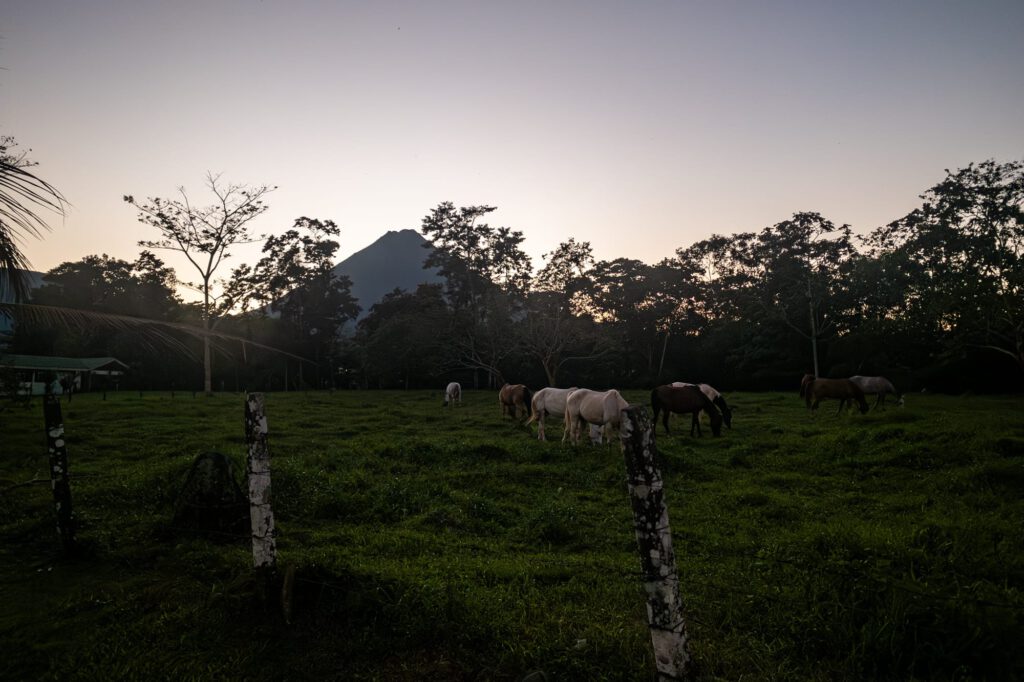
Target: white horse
548	401
593	407
879	386
453	394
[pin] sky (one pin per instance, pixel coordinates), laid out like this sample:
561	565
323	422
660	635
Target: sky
641	127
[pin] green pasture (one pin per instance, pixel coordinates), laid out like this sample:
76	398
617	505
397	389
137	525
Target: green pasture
451	544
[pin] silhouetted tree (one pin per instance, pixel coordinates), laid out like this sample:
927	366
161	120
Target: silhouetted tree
632	301
487	275
802	267
295	278
959	259
204	235
81	294
551	330
401	340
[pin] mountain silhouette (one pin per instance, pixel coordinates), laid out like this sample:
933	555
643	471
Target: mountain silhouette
393	261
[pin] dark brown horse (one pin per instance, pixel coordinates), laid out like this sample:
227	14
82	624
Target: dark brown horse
513	396
685	400
843	390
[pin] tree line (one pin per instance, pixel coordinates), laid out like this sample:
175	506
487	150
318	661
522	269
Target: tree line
934	300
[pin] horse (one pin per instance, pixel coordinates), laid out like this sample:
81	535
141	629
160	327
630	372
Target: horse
805	382
453	394
715	397
879	386
842	389
512	396
683	399
548	401
593	407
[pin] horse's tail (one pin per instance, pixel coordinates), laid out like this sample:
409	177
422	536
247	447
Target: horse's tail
567	426
655	405
533	412
528	399
807	391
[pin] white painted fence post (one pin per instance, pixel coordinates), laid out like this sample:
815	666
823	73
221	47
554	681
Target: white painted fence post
654	542
264	549
57	450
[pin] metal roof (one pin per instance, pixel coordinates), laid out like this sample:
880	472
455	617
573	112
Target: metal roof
58	364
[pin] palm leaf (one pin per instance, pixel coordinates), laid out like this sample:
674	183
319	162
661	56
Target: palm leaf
22	194
153	334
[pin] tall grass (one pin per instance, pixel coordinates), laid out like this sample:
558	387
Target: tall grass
450	544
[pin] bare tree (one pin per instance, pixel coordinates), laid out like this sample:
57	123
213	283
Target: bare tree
204	235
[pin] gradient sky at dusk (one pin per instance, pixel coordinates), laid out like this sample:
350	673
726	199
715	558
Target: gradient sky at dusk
639	126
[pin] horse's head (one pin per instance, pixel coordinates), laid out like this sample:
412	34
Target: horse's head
716	421
726	411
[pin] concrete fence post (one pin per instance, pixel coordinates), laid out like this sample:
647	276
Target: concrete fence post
264	549
57	450
654	543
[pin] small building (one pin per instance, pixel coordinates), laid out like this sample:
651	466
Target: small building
33	371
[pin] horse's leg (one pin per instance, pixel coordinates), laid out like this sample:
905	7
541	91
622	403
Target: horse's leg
842	403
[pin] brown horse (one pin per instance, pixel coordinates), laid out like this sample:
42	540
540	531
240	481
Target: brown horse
512	396
685	400
843	390
805	382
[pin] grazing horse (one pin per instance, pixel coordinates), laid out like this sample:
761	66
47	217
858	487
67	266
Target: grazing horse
715	397
595	408
684	399
512	396
879	386
842	389
548	401
806	381
453	394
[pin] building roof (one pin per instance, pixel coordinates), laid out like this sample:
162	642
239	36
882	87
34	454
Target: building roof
58	364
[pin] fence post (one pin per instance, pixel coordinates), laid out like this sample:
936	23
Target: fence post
264	549
58	454
654	543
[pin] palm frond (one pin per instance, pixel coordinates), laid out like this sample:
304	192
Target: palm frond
22	195
154	334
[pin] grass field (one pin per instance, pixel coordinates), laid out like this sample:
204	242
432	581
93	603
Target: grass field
434	544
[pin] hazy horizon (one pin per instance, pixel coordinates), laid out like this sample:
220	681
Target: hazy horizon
639	128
